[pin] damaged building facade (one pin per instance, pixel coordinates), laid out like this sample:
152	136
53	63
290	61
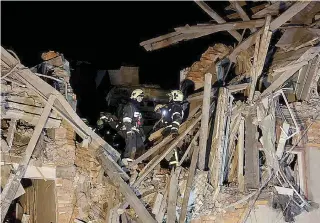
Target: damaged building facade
247	152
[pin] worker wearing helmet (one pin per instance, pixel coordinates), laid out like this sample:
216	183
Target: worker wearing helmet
162	112
175	110
132	121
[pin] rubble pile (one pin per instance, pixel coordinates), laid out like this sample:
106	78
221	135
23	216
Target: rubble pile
244	143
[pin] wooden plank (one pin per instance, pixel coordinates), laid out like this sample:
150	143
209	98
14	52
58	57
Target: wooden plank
124	188
273	9
209	29
11	130
197	31
242	13
163	206
29	109
289	67
217	18
308	55
12	186
204	129
172	201
32	119
251	176
240	146
275	24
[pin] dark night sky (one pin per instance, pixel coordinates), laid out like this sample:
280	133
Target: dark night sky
108	34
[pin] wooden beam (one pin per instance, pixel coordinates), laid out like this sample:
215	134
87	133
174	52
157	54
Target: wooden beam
197	31
241	155
204	129
192	170
172	200
124	188
273	9
275	24
251	176
242	13
217	18
12	186
209	28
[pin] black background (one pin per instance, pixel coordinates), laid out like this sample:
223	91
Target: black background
108	34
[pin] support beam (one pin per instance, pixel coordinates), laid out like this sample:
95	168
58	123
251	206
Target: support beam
12	186
204	129
217	18
241	155
275	24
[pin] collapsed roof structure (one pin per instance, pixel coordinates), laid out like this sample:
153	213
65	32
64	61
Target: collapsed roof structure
245	142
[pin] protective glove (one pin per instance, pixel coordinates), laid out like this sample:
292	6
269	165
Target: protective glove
166	131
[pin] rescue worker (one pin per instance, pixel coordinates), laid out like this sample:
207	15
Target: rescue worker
132	121
176	113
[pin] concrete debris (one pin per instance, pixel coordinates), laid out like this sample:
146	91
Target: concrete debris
253	130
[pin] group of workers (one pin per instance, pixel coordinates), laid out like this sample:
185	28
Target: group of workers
170	119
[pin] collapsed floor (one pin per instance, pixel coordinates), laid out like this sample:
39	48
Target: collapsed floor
246	142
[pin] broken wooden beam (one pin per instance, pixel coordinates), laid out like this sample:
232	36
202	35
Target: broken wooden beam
204	129
216	17
11	130
275	24
197	31
240	146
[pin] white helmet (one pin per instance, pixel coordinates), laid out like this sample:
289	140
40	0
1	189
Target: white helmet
136	93
176	95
